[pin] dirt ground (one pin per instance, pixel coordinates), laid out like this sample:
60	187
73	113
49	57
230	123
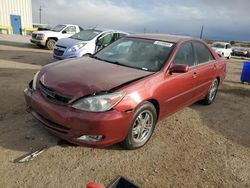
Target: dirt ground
200	146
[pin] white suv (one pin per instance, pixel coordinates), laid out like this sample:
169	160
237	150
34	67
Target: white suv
223	49
49	38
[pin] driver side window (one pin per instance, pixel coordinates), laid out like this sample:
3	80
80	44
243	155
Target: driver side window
70	29
106	40
185	55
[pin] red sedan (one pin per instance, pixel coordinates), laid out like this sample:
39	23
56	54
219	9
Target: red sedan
121	92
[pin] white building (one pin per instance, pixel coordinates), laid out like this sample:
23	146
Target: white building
15	16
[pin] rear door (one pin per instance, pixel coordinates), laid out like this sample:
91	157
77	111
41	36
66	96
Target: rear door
69	31
228	50
205	68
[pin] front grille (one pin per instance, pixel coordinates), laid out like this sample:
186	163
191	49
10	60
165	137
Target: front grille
61	46
34	35
53	95
58	52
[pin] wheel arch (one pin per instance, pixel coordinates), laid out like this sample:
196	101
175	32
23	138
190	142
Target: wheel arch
219	80
55	38
156	105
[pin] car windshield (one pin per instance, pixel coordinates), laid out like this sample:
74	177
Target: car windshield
148	55
218	45
58	28
86	35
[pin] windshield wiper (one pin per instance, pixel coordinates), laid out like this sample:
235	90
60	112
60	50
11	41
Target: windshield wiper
124	65
118	63
95	57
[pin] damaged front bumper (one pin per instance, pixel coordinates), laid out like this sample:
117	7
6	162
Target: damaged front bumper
83	128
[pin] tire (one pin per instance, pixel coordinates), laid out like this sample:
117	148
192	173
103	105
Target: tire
50	44
229	57
210	97
141	131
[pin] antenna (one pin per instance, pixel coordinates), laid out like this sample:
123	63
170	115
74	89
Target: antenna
40	14
201	32
95	27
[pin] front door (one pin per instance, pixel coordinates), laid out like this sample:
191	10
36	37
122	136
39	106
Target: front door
16	24
180	88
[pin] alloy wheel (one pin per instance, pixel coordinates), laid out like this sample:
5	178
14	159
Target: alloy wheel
143	126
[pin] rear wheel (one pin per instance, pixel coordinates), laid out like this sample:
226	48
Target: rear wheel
210	97
142	126
50	44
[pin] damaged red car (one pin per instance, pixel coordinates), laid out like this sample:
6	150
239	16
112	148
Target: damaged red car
119	94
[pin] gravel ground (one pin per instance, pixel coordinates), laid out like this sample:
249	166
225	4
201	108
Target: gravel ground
200	146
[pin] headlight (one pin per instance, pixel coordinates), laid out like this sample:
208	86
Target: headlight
76	47
99	103
40	36
34	81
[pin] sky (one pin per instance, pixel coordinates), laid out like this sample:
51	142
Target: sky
222	20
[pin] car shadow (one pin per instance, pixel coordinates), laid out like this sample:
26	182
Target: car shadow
20	44
228	115
30	57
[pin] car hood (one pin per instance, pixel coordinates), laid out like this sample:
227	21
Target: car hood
84	76
46	32
69	42
218	49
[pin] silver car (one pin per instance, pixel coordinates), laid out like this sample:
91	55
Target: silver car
86	42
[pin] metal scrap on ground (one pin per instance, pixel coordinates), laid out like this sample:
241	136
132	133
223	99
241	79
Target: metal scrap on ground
30	156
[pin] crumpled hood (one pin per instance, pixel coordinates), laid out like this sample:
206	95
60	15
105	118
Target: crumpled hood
68	42
83	76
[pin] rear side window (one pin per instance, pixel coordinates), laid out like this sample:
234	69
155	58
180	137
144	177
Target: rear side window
185	55
228	46
202	52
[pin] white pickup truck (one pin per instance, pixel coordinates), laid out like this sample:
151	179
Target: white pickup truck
49	38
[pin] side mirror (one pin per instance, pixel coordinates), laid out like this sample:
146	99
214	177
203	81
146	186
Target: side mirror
64	31
98	42
178	68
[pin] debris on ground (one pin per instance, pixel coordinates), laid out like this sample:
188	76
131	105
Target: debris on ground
30	156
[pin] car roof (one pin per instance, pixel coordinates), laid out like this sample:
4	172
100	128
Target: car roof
163	37
221	43
68	24
106	30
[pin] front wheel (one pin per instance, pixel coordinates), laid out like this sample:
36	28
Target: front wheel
142	126
50	44
210	97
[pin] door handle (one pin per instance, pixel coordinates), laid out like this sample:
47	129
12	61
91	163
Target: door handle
194	74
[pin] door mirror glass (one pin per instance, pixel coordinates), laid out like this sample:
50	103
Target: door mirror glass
178	68
64	31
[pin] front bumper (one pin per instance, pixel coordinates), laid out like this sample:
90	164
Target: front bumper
70	124
65	55
38	42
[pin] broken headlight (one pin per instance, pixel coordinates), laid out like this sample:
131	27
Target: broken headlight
99	103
